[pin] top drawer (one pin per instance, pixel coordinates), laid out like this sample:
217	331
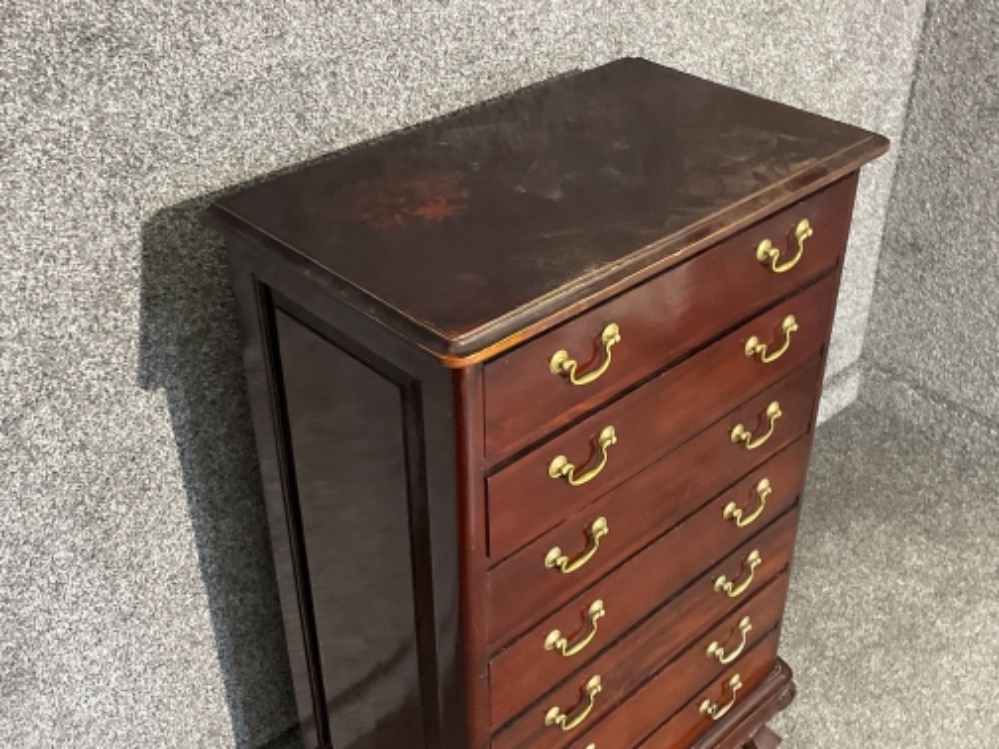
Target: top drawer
659	321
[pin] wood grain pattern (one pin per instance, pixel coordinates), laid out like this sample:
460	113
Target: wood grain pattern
639	587
662	319
667	691
696	469
494	223
688	729
377	661
524	500
468	409
510	692
659	640
445	654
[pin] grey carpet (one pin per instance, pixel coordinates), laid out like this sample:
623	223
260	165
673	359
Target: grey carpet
893	619
933	321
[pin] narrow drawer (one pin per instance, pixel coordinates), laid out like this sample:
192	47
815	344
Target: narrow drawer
538	491
659	321
653	644
524	588
525	670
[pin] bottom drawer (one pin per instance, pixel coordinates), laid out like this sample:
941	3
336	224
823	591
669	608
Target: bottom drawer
693	722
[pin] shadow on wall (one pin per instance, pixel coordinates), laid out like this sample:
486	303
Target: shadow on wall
189	348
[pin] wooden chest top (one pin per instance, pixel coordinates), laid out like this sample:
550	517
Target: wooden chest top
470	233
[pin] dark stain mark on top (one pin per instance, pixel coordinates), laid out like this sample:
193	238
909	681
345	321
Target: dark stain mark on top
396	201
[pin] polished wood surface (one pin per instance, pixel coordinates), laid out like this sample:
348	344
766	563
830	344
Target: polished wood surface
473	229
648	422
444	646
666	692
663	570
542	589
468	412
689	730
659	321
399	305
657	641
366	646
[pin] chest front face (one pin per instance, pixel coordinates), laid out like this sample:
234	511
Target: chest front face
643	487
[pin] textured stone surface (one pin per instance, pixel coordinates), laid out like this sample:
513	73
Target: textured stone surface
137	602
891	620
936	317
839	392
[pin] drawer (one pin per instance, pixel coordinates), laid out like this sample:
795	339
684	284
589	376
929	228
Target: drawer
659	321
522	590
532	495
689	727
655	642
525	670
664	694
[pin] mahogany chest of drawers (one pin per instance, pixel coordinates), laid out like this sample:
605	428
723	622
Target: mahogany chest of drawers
534	387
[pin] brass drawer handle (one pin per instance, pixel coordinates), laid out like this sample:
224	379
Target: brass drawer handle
556	559
761	350
741	520
741	434
715	650
555	640
568	721
561	468
716	712
730	588
564	366
769	255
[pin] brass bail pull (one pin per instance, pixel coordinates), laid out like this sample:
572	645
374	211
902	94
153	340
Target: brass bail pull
761	351
556	641
769	255
735	589
575	717
740	434
561	468
555	559
716	651
563	365
717	712
732	512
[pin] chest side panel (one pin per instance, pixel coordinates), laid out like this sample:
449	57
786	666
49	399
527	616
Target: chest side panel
346	427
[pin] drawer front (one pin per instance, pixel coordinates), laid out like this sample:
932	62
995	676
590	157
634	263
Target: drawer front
654	643
659	321
634	720
525	670
525	499
540	490
689	726
523	590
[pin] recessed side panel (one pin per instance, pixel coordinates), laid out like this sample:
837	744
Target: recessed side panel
347	431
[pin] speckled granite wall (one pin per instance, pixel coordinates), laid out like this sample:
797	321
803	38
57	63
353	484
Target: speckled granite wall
935	324
137	602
